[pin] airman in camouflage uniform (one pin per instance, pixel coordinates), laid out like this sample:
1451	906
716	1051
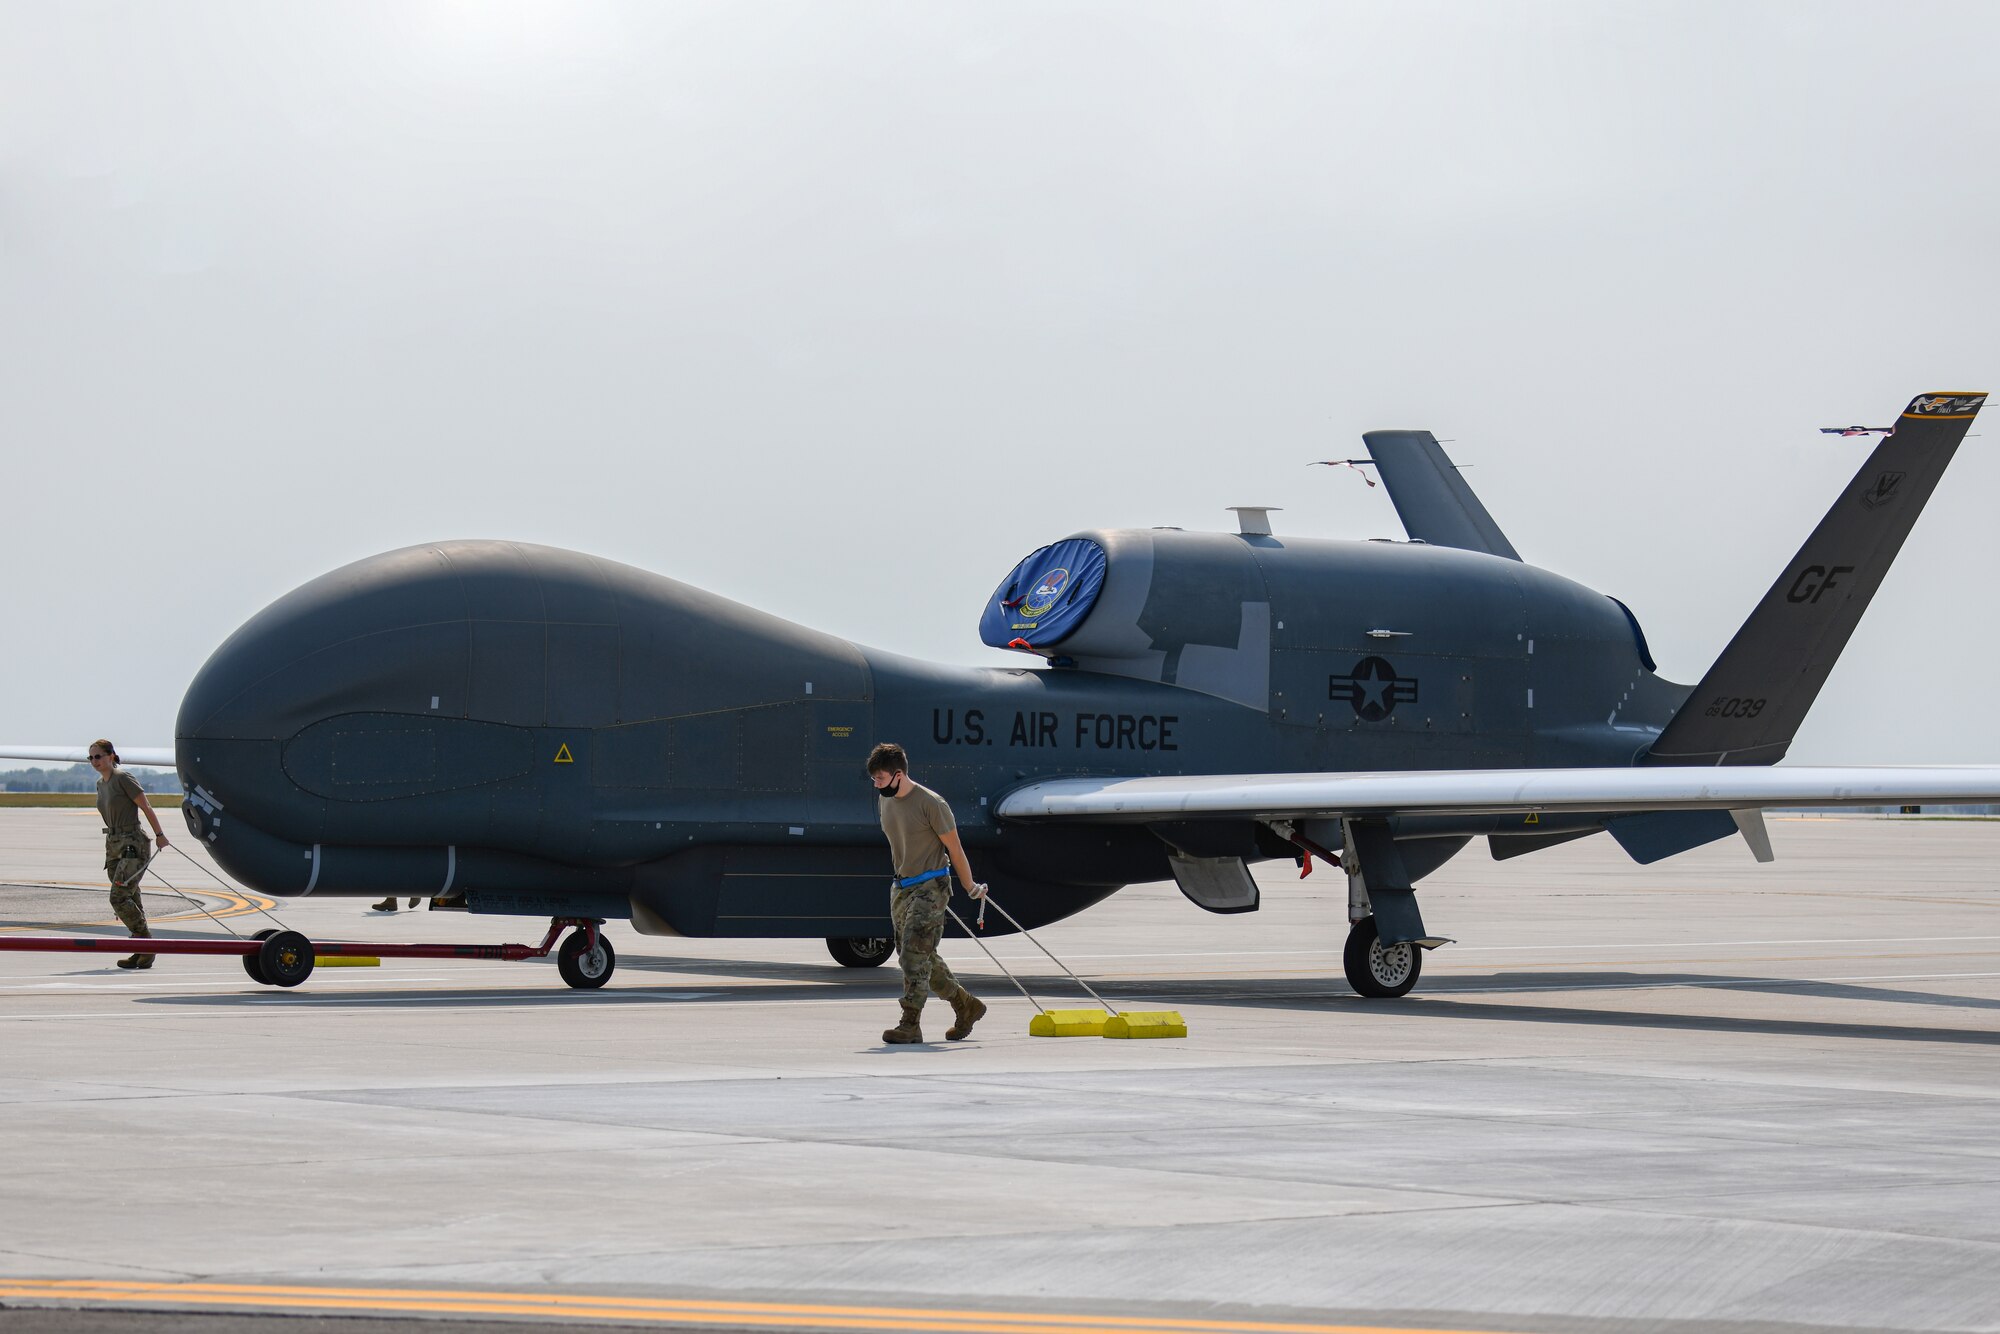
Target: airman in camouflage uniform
924	844
120	802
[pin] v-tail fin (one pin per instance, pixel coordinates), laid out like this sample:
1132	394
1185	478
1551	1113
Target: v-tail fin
1749	706
1430	495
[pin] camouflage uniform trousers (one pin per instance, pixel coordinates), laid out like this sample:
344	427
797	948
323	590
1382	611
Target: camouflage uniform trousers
918	915
126	854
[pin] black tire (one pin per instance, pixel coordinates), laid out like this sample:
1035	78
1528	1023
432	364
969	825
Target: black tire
860	951
286	958
582	967
1377	971
250	963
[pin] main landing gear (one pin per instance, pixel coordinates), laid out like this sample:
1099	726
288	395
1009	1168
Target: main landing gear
1380	902
1376	970
860	951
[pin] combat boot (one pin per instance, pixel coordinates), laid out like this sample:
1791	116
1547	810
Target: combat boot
136	961
969	1009
905	1032
386	905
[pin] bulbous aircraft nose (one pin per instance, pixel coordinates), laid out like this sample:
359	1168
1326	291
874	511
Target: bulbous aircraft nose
452	697
350	709
385	634
374	634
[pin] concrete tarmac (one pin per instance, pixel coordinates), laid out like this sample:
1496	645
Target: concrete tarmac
1706	1094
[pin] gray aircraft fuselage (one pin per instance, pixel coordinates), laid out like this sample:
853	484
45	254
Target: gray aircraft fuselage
546	732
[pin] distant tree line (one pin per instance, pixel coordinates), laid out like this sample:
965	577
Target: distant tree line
81	778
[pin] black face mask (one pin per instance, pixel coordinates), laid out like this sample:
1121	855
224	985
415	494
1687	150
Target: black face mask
888	792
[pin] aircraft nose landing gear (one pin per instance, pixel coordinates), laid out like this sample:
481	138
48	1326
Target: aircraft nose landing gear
586	958
860	951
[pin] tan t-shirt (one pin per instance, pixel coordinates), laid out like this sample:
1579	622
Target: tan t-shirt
916	823
118	801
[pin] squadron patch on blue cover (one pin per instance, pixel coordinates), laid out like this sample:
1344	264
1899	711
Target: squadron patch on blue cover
1045	597
1048	591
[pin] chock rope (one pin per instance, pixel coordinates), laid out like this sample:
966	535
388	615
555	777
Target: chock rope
1045	949
1075	1023
985	897
991	955
1059	1023
148	870
247	897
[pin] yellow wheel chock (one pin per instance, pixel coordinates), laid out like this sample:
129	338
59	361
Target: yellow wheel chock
1099	1023
1146	1024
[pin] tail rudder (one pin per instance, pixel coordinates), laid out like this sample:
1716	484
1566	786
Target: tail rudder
1749	706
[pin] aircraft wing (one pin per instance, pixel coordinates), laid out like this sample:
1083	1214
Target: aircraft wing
153	757
1493	792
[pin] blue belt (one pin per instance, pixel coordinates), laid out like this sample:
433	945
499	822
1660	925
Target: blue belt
923	879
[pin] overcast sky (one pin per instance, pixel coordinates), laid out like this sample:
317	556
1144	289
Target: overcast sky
840	309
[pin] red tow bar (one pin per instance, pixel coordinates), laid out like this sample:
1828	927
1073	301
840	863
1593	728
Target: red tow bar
286	958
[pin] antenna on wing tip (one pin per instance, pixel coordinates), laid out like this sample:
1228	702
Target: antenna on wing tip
1356	464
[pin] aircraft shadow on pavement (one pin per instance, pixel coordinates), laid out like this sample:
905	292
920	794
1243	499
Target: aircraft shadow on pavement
724	980
1712	1023
554	995
707	979
1439	1002
827	973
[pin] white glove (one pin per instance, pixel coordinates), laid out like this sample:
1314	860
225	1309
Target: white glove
976	893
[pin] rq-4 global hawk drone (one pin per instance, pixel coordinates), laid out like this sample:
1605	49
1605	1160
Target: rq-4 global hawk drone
518	729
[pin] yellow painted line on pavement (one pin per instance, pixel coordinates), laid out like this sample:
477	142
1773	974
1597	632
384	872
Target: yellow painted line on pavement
574	1306
234	904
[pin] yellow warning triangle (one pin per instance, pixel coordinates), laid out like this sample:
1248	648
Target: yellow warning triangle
563	756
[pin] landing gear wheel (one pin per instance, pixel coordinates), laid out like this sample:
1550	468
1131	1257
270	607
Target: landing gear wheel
285	958
1376	970
250	964
582	967
860	951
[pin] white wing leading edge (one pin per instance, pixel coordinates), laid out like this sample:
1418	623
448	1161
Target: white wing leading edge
1494	792
151	757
